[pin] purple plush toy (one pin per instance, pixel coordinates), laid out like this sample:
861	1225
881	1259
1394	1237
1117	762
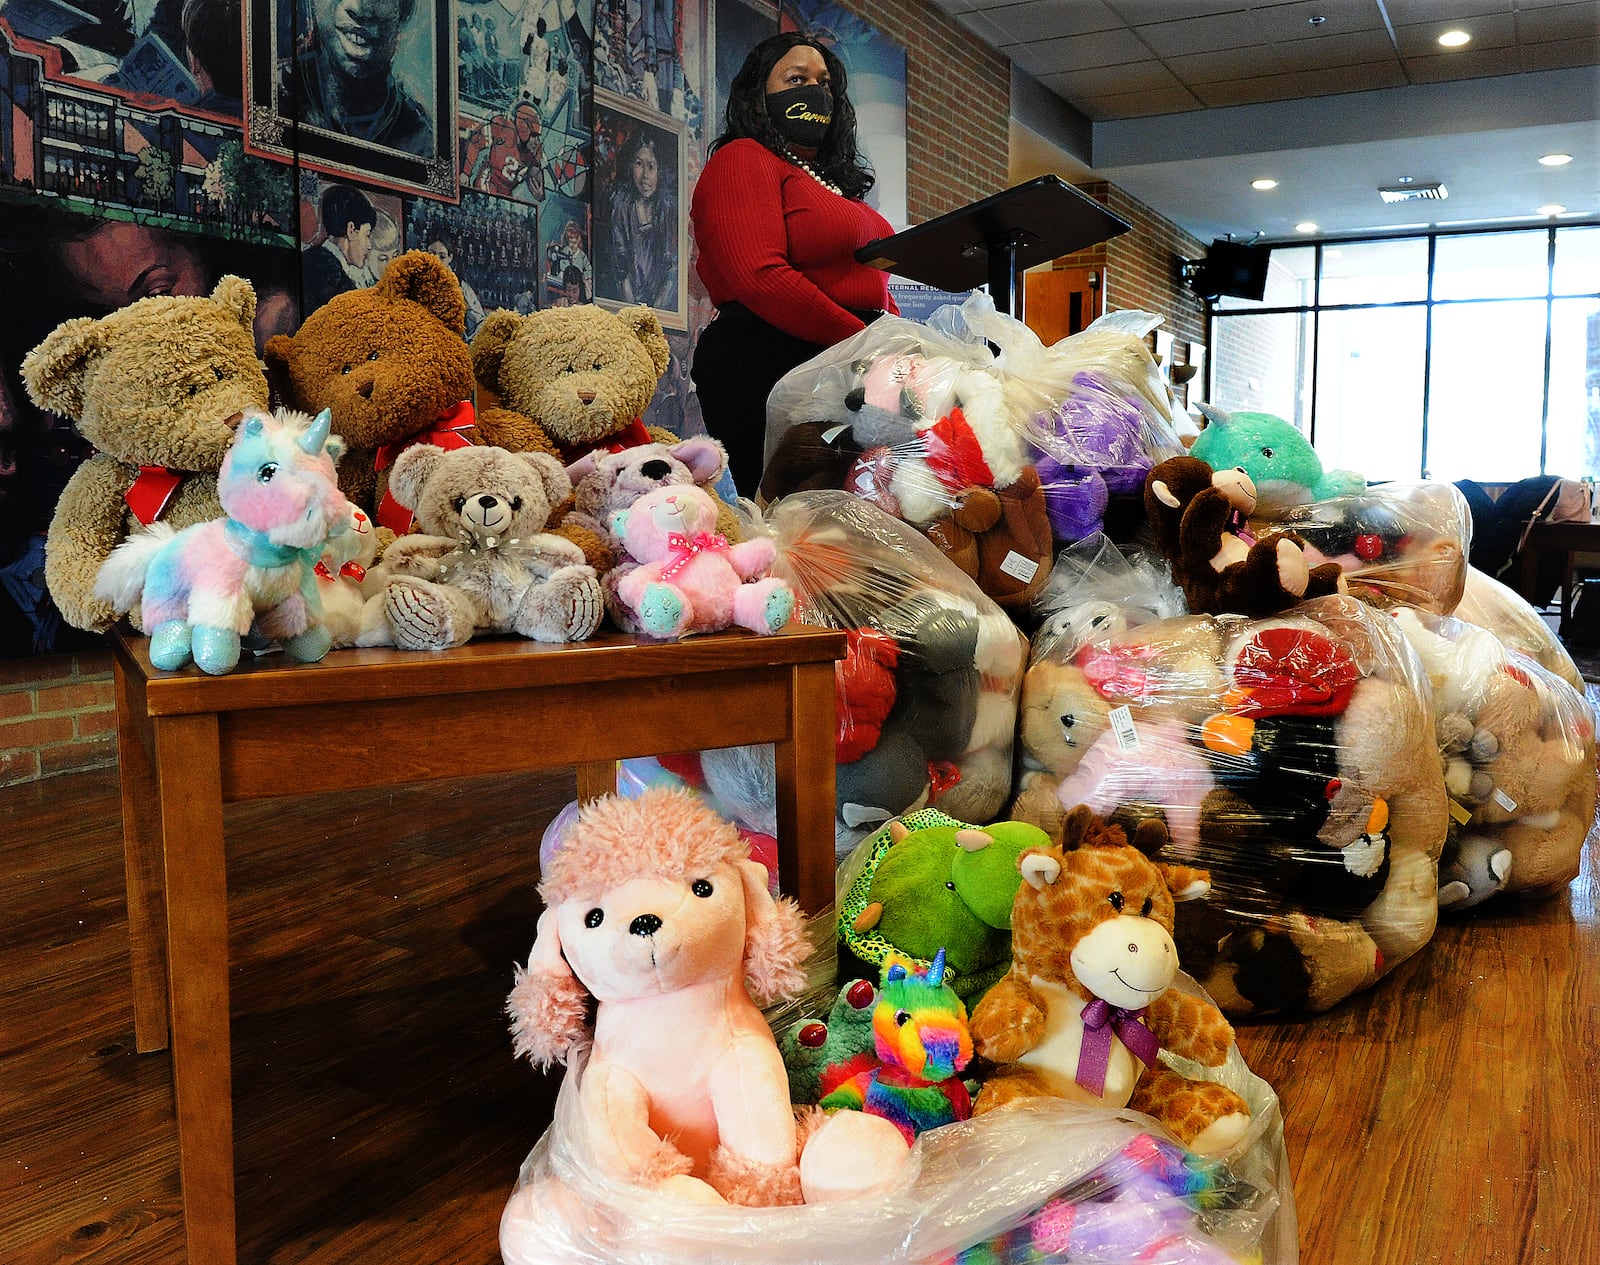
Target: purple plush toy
1094	449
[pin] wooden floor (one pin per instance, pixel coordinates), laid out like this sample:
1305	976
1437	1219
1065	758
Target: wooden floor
1452	1114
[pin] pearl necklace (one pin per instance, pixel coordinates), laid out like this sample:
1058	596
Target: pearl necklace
811	171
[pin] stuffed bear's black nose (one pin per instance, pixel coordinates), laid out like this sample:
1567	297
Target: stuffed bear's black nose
855	399
655	470
488	502
644	925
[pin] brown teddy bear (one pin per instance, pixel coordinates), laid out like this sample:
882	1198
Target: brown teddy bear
571	380
1090	996
480	560
1193	510
1001	538
158	388
391	363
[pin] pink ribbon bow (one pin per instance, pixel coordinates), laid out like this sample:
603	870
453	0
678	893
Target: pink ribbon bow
1100	1020
686	548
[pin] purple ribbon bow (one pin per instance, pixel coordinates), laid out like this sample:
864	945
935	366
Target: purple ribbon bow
684	548
1100	1019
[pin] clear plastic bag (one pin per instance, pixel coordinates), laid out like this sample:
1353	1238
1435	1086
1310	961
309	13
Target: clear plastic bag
1519	750
1508	615
1399	544
1292	757
922	426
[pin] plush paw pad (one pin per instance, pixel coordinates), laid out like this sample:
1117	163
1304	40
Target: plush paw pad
1293	574
582	610
660	611
780	605
216	650
417	621
309	646
169	645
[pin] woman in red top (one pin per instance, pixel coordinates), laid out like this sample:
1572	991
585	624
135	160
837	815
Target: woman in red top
778	215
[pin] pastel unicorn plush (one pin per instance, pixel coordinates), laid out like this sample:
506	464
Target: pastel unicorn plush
921	1043
204	588
689	578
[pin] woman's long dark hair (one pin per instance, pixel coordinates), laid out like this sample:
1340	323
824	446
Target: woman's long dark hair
837	158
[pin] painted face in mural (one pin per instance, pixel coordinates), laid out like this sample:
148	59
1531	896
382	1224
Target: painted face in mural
120	262
358	244
646	171
359	35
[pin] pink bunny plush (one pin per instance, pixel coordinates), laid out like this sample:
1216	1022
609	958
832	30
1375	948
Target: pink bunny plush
690	579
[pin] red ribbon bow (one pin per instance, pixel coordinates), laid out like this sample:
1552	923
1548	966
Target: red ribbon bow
686	548
352	570
151	492
445	433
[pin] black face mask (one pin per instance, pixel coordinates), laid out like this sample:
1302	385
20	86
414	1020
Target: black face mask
802	114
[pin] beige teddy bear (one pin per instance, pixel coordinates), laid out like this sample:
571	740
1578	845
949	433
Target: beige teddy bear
570	380
481	560
157	387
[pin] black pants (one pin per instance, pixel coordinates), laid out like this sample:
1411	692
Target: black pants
737	361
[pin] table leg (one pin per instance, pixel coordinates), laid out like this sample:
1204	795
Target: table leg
190	780
141	860
805	783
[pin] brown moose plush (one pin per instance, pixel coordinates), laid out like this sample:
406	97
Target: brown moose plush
1198	515
1089	999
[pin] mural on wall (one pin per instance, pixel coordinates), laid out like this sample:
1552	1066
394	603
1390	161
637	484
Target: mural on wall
641	222
639	53
564	240
740	26
348	235
358	87
876	66
491	244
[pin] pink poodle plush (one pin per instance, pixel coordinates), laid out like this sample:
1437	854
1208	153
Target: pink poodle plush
689	578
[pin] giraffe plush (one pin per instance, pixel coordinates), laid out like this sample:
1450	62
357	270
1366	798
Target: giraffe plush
1088	1001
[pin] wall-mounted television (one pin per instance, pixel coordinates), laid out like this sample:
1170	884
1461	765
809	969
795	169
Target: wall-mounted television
1234	269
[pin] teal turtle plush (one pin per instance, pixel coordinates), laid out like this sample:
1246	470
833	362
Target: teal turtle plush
1283	465
931	882
810	1045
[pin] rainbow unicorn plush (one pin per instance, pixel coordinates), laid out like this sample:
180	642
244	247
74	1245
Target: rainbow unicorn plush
202	589
921	1043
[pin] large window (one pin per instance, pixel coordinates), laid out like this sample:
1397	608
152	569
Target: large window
1469	355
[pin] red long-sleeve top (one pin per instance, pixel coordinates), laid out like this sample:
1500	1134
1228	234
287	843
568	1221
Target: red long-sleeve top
774	239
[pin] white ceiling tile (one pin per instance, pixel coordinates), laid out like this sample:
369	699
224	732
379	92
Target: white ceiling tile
1561	55
981	25
1200	35
1135	12
1226	63
1103	80
1293	21
1043	19
1081	52
1405	12
1485	63
1559	22
1138	105
1337	50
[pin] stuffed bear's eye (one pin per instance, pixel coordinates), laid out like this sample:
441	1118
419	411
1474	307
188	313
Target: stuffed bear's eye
458	503
217	369
347	369
194	388
372	355
516	505
1144	909
1116	901
701	888
265	473
950	885
594	918
1068	721
596	366
901	1018
1266	452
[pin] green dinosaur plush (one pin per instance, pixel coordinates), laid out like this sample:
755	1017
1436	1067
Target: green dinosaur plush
1280	462
811	1045
931	882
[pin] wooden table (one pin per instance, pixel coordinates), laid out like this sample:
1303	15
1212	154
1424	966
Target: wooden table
189	743
1566	539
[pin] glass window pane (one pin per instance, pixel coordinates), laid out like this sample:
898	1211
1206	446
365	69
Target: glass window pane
1483	423
1369	391
1574	427
1492	265
1262	363
1578	261
1290	272
1375	272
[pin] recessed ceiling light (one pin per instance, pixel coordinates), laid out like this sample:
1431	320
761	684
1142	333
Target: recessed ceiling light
1404	179
1554	208
1454	39
1305	226
1263	184
1555	160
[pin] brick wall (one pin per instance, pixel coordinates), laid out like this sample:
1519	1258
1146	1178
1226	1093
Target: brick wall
57	715
958	107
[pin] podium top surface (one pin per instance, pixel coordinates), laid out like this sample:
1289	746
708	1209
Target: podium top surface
1041	219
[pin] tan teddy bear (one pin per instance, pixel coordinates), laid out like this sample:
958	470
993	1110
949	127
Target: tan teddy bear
481	560
391	363
157	387
571	380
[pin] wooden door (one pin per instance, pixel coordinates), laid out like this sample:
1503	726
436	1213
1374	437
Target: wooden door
1062	301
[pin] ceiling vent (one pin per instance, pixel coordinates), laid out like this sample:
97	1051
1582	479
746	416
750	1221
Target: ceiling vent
1411	192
